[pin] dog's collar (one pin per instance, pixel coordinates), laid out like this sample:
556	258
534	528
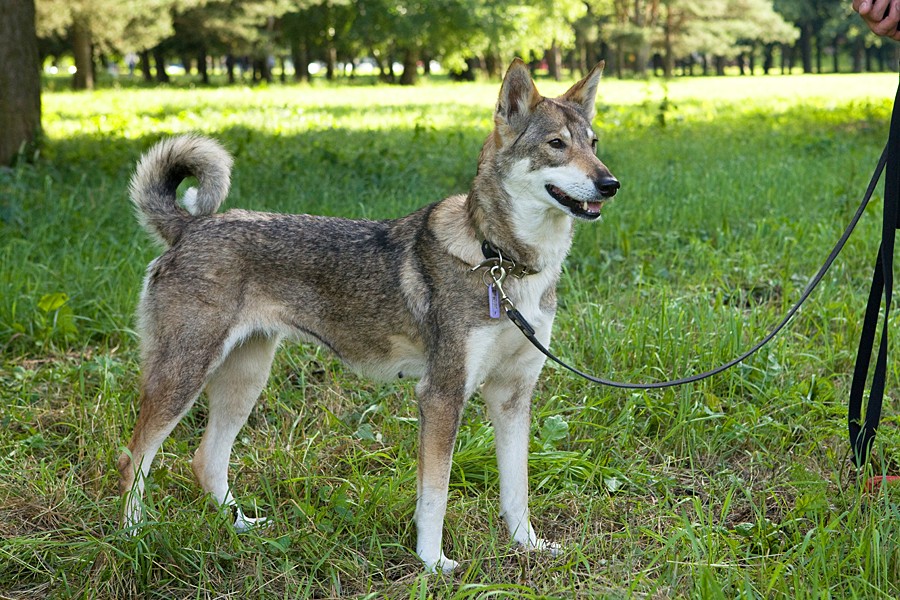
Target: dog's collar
494	257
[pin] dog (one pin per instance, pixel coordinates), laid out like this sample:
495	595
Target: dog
410	297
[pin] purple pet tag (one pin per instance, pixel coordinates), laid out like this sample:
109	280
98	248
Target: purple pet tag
494	301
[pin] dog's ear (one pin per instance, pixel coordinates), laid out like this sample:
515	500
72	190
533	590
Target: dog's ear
518	97
584	93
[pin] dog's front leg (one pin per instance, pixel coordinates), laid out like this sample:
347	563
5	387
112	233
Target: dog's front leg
507	395
440	409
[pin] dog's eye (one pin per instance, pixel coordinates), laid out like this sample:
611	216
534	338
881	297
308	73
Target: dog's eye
557	144
594	144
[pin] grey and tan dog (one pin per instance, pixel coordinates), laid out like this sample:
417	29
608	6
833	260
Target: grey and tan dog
394	298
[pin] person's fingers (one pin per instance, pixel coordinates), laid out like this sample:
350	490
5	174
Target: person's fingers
888	25
874	10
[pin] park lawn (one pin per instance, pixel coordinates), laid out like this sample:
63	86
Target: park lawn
734	190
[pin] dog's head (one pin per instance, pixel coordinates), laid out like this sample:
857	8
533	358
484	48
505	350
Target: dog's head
545	148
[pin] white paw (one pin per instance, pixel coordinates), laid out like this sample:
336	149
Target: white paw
132	516
243	523
442	564
542	545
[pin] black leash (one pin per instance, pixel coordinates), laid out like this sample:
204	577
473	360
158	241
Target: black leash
862	433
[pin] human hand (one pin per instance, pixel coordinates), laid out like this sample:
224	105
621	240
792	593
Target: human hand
882	16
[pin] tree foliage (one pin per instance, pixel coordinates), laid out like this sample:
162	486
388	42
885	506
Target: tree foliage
462	34
96	26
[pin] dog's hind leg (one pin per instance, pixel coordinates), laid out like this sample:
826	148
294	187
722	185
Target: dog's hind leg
507	394
168	391
232	391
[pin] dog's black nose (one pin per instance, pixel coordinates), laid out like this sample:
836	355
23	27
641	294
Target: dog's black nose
608	186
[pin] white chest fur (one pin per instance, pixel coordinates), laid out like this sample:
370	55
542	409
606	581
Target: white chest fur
500	344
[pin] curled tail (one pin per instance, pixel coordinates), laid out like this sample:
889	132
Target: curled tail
160	171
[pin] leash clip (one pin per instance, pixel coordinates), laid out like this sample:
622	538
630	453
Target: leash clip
497	275
493	277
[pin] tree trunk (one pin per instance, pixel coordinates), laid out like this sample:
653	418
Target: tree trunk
601	50
581	56
300	58
835	55
20	79
384	73
81	48
410	66
229	68
554	62
145	66
805	43
330	61
391	75
668	49
265	69
620	59
202	69
720	65
818	53
160	59
643	50
493	64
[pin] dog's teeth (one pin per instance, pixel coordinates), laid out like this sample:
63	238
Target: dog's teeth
584	206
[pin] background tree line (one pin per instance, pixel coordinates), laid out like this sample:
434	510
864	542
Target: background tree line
671	37
398	38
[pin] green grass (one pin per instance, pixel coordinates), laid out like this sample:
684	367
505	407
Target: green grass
733	192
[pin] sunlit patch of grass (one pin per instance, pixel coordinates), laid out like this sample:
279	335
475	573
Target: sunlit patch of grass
733	192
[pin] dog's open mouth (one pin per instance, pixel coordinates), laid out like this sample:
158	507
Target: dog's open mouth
579	208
